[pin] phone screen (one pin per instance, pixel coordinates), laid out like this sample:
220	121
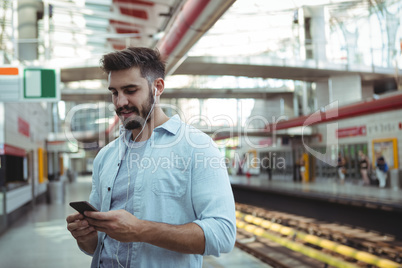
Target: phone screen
82	206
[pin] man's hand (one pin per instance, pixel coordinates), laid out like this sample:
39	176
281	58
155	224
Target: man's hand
125	227
117	224
83	232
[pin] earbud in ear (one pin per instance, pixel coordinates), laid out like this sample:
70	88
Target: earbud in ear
156	90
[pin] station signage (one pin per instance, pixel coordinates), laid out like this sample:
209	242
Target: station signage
23	84
351	132
10	84
23	127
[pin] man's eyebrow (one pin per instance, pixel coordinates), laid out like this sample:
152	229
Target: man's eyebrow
129	86
124	87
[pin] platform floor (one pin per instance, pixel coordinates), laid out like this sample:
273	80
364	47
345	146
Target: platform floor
352	190
40	239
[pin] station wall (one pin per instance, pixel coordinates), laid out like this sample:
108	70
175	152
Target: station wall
366	129
25	127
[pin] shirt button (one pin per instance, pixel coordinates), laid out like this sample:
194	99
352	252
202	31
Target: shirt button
108	188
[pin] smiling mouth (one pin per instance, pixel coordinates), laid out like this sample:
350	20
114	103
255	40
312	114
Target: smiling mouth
126	114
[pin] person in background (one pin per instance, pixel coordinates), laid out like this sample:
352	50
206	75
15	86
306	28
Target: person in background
341	169
161	187
266	165
381	170
242	163
269	172
364	165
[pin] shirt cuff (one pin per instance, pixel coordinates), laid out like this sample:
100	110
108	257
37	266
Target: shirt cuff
219	238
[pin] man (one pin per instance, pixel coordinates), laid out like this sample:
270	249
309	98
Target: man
381	170
364	165
341	168
162	187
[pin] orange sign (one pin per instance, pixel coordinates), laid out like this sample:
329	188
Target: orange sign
8	71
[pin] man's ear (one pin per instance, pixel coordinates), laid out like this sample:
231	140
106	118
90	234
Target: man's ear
159	86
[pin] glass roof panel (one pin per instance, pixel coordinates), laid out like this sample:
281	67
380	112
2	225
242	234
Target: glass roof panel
254	27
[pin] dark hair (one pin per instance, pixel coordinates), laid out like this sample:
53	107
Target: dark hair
148	60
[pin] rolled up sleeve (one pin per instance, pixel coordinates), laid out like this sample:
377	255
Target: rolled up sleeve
213	203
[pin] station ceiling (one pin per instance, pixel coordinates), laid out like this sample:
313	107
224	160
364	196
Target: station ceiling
100	26
95	27
244	60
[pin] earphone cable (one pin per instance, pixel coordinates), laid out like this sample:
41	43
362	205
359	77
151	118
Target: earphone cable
129	180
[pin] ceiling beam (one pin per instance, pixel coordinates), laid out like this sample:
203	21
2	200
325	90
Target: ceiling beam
83	73
84	95
263	67
267	67
110	15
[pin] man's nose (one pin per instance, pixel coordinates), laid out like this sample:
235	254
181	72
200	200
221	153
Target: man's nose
121	100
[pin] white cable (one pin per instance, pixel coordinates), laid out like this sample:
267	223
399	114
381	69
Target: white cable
129	181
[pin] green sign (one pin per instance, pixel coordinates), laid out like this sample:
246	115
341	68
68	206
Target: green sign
41	85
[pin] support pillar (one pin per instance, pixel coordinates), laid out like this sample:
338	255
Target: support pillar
305	107
314	32
28	29
322	93
351	36
345	89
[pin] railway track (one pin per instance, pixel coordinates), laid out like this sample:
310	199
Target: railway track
270	253
313	243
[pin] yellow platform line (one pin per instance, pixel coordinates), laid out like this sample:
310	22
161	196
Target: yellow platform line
295	246
324	243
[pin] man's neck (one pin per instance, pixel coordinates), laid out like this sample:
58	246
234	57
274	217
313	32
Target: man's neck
158	118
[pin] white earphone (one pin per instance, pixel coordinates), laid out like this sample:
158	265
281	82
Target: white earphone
128	186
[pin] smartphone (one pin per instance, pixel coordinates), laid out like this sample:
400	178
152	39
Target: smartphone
82	206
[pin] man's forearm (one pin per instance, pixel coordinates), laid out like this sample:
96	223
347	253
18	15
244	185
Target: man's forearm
187	238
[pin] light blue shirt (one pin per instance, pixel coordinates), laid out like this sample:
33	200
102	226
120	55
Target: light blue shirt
181	178
114	252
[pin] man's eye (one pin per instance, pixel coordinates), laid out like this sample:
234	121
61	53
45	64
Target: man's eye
114	93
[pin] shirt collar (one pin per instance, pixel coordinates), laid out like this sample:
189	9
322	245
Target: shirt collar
172	125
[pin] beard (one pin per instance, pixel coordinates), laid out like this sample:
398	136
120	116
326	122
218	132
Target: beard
134	123
138	120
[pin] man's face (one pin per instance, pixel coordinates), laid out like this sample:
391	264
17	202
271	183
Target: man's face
131	97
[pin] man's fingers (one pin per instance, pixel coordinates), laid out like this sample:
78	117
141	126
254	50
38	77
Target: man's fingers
82	234
81	230
96	215
74	217
76	225
96	223
101	229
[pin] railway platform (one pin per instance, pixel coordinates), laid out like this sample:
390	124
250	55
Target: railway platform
369	208
329	189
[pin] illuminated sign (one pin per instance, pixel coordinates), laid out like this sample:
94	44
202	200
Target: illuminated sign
351	132
29	84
